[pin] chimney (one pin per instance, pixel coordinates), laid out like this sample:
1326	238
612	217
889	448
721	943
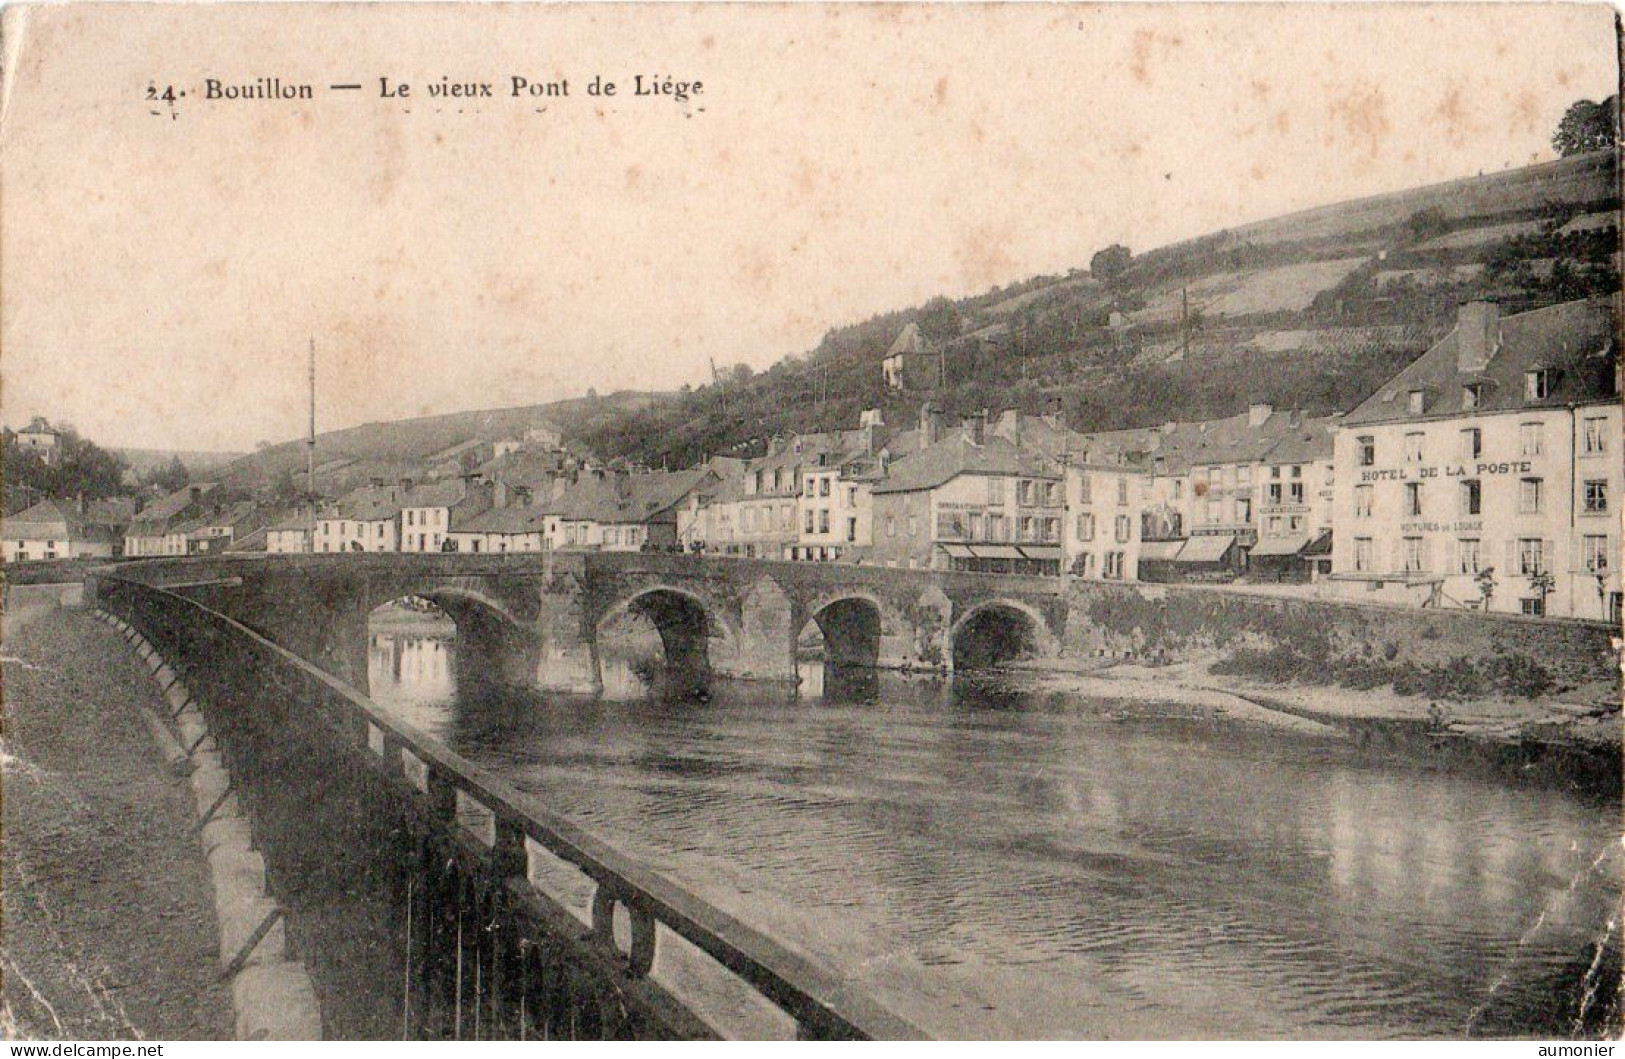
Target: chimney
1258	414
930	424
1056	416
975	428
1478	335
1010	426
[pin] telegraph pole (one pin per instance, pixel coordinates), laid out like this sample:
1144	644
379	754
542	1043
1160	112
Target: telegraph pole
310	443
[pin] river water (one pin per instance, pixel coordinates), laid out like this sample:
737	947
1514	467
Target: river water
993	862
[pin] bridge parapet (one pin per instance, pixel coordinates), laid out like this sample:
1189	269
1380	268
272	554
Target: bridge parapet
469	848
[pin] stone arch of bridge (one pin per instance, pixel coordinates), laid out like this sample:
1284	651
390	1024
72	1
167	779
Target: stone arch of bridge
494	644
1001	630
854	626
695	632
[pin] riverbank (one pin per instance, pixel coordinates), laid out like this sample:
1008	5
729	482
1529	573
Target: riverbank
110	928
1570	738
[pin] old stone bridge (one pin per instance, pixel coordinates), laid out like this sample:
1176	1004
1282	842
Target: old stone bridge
538	618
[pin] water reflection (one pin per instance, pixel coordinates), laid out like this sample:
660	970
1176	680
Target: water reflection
938	841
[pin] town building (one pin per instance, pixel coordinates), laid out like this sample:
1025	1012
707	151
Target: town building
913	362
290	536
499	529
1297	484
156	530
968	500
1486	474
364	520
53	529
1103	524
621	511
219	526
41	438
426	511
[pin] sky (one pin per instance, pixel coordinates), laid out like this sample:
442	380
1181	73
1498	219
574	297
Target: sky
163	269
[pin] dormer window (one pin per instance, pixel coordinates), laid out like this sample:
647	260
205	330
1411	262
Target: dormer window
1537	384
1418	402
1471	395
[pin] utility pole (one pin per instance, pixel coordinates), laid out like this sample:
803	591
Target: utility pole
310	444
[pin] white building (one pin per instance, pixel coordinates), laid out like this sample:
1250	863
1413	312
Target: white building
1487	473
1103	508
52	529
365	520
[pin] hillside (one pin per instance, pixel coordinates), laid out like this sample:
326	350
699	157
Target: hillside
145	461
347	458
1310	310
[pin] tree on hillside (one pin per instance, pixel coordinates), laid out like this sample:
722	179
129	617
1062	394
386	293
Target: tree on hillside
938	320
170	477
82	468
1110	263
1586	126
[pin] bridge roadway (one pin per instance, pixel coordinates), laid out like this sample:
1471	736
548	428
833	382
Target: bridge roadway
537	618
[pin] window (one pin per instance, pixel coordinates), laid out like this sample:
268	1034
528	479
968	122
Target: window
1413	498
891	525
1595	437
1467	550
1413	447
1472	443
1596	497
1471	395
1024	528
1415	555
1531	556
1531	441
1125	529
1052	494
778	479
810	484
1529	496
1052	529
1272	492
1024	492
1272	526
1295	523
1244	475
1085	565
1418	402
823	520
409	515
1595	551
1085	489
995	492
1244	509
1471	497
1294	493
1368	450
975	526
758	482
808	528
1179	489
1086	526
997	528
1215	477
1113	566
1533	607
851	530
1537	384
913	526
851	496
823	486
1214	511
1362	554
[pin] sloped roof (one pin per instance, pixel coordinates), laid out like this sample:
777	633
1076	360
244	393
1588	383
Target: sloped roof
156	516
909	340
370	503
433	494
1574	340
629	499
511	519
956	455
48	519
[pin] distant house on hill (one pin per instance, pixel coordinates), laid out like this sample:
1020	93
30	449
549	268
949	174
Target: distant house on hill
53	529
913	362
39	436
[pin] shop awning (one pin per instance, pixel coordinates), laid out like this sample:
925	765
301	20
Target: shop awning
1320	546
958	551
1206	549
1041	553
997	551
1280	545
1163	550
